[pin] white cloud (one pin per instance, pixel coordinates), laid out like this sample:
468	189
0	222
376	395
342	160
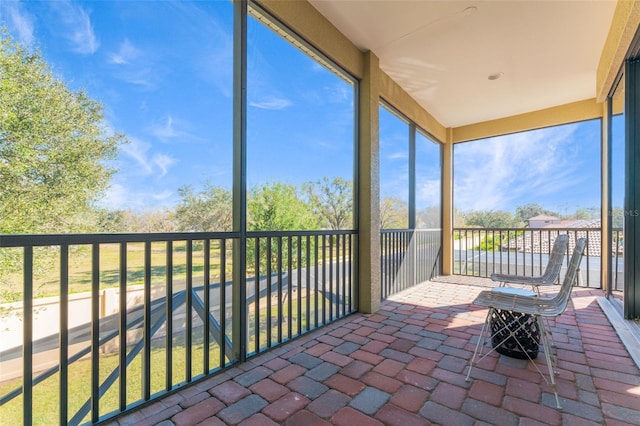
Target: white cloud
137	150
135	66
78	28
163	162
157	164
495	173
399	155
20	21
165	131
215	64
271	103
162	196
428	193
122	197
126	54
172	129
116	197
145	77
340	92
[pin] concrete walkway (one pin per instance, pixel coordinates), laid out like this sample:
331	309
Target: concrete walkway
406	365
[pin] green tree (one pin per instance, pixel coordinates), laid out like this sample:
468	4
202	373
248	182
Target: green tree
394	213
586	213
277	207
429	217
210	210
162	220
491	219
527	211
331	201
616	217
54	147
458	219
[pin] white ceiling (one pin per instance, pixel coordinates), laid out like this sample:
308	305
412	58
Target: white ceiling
442	52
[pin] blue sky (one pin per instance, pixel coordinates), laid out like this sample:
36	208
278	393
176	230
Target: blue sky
556	167
163	71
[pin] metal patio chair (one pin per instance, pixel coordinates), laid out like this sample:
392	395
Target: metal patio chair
535	307
551	272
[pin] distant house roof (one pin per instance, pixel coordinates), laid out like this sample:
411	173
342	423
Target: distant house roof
563	224
540	240
575	223
544	217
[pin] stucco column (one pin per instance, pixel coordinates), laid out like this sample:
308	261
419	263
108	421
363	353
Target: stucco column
447	208
368	196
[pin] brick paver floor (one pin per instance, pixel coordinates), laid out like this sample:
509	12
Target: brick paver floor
406	365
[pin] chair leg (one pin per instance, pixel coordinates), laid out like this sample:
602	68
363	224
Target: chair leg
479	344
551	360
545	340
503	326
549	341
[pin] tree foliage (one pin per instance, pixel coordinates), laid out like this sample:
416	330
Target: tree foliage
332	201
277	207
54	147
616	216
491	219
429	218
148	221
587	213
210	210
394	213
527	211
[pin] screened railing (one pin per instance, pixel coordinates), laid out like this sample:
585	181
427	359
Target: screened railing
101	324
408	257
303	280
481	252
617	259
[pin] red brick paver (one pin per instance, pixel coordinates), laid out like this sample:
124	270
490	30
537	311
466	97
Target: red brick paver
286	406
414	354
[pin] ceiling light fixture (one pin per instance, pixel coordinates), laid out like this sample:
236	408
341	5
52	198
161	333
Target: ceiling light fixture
495	76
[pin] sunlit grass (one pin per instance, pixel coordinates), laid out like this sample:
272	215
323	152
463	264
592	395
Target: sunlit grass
47	267
46	395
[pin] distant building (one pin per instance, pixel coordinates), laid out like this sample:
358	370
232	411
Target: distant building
544	229
543	220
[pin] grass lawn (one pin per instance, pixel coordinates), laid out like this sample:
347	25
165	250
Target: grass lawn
47	268
46	395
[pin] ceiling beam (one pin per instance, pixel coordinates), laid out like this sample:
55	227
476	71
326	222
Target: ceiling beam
554	116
